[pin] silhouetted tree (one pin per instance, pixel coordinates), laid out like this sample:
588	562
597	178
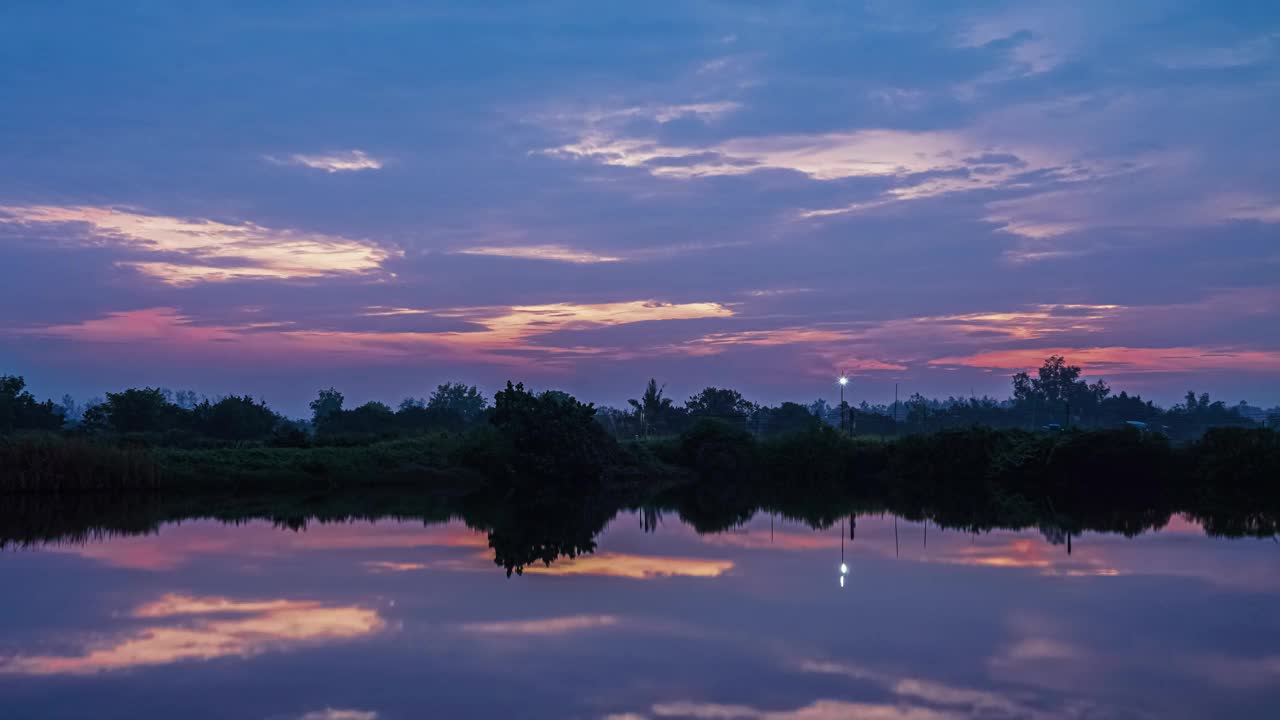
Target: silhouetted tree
235	419
820	410
787	418
553	437
328	403
652	409
918	410
719	404
464	401
70	409
19	410
1057	393
139	410
187	399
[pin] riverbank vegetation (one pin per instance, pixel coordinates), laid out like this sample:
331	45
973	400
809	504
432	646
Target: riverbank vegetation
456	442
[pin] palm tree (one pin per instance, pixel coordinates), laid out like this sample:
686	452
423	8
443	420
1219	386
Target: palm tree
651	406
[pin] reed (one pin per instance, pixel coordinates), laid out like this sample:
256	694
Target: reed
47	463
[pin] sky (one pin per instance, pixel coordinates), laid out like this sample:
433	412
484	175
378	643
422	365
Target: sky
270	198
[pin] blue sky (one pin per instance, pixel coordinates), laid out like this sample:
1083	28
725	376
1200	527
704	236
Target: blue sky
383	196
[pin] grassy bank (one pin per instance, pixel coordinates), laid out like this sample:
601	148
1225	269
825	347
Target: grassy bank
55	464
1227	466
58	464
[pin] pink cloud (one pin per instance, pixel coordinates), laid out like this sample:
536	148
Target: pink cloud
1124	359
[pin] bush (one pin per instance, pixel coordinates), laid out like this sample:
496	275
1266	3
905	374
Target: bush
1237	465
819	456
552	436
235	419
717	450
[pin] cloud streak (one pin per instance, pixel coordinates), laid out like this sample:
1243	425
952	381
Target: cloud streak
188	251
635	567
1125	359
336	162
554	253
209	628
541	626
501	334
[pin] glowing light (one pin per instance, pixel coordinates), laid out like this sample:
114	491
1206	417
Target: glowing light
844	381
844	569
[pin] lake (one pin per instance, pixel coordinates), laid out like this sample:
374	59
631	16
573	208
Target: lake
391	620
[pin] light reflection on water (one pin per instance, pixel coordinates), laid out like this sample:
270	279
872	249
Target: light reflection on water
390	620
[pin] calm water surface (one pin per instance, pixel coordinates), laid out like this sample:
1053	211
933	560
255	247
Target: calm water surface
395	620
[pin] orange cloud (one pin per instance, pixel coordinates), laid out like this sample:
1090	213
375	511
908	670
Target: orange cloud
817	710
499	331
339	714
1124	359
636	567
822	339
255	627
211	251
778	541
385	566
180	544
541	626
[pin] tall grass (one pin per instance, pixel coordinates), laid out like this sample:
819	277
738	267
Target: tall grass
49	463
64	464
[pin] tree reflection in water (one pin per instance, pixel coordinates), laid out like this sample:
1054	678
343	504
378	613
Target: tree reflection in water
538	527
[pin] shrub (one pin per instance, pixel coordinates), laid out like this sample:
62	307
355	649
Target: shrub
717	450
552	436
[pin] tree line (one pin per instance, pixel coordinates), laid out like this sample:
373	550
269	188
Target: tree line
1054	397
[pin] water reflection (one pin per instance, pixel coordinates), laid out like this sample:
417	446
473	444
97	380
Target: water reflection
635	613
201	628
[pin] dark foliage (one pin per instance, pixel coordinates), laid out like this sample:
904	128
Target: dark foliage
785	419
718	451
719	404
135	411
234	419
20	411
553	437
52	464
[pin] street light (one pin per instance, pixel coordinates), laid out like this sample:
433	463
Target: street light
844	568
844	380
